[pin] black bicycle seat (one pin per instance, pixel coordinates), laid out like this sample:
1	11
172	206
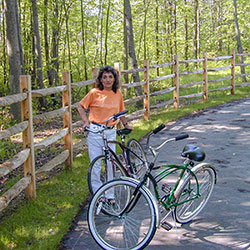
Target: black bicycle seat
193	152
123	131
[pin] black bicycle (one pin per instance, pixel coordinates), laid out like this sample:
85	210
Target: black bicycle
130	162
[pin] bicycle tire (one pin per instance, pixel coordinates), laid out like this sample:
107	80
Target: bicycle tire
133	229
205	174
138	167
100	163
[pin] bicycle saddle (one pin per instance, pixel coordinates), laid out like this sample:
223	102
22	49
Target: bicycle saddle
193	152
124	131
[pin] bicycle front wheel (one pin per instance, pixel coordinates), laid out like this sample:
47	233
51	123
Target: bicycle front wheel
193	196
99	174
137	161
112	229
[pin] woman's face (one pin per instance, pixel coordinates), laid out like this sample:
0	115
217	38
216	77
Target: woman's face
107	80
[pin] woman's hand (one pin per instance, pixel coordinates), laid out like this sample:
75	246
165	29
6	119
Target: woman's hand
125	123
128	126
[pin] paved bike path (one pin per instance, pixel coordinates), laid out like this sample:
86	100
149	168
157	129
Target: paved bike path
224	133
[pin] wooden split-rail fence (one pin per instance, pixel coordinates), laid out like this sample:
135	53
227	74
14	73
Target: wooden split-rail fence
26	157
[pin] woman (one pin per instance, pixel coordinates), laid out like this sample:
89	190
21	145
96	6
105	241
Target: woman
103	101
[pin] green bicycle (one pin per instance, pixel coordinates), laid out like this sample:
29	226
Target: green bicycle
131	222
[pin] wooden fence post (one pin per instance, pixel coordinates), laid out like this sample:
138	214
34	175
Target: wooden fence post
28	137
94	73
233	73
205	77
117	67
176	81
146	91
67	117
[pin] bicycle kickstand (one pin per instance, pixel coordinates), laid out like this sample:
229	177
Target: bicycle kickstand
176	229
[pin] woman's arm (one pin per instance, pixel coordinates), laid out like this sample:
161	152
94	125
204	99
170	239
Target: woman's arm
125	123
83	115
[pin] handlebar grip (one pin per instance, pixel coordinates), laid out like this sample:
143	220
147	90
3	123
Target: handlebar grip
158	129
181	137
120	114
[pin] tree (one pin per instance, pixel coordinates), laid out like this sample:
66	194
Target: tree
186	34
239	45
67	8
83	42
131	44
196	38
54	64
157	35
14	49
37	50
3	51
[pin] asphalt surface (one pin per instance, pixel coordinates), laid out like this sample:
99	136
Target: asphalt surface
224	133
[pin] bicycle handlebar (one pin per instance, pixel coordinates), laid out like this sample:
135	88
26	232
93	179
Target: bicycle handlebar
118	115
181	137
158	129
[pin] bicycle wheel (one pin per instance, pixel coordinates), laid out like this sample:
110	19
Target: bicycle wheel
133	229
138	167
97	174
205	175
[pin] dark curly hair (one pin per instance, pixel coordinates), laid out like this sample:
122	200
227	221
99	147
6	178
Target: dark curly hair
99	77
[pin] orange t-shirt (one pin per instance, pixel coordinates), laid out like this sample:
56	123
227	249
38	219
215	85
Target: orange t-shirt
103	104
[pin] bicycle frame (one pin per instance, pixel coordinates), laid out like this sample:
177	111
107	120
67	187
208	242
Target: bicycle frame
108	151
168	201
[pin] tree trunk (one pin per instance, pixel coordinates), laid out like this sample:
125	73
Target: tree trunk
239	45
83	43
100	18
55	43
145	31
186	35
196	28
125	54
106	34
131	45
175	27
46	41
67	11
37	50
157	35
169	28
14	52
220	18
4	52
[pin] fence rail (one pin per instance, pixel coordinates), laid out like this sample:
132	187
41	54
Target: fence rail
26	156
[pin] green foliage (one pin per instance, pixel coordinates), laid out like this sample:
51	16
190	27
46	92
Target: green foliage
86	40
7	149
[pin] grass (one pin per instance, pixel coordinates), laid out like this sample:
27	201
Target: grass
40	224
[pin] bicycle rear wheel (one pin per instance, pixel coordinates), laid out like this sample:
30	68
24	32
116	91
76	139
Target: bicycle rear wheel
133	229
138	164
98	174
205	175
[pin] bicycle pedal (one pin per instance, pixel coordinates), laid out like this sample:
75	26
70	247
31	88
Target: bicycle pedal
166	226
